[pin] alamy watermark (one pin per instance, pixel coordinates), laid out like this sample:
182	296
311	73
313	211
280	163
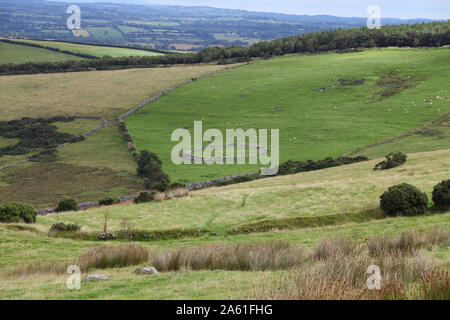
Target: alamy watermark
374	17
73	22
74	281
374	280
234	150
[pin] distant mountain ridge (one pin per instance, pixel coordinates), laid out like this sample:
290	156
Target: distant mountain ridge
202	9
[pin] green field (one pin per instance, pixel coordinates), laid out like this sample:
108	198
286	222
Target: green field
11	53
98	51
358	182
302	210
285	93
102	160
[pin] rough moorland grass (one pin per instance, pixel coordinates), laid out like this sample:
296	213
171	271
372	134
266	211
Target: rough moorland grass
43	185
409	275
346	193
341	272
100	93
282	93
276	255
98	51
12	53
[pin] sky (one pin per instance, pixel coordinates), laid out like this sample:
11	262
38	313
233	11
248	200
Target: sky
405	9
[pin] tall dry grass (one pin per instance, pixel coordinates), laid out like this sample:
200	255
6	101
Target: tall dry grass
170	194
340	270
97	258
407	243
245	257
113	257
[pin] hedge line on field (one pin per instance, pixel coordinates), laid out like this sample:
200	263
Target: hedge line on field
434	34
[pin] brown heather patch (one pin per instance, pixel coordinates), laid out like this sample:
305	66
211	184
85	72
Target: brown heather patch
45	184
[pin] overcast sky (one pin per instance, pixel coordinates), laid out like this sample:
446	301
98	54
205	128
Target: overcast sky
435	9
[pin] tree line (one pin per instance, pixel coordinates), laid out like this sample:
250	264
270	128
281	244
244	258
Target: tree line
433	34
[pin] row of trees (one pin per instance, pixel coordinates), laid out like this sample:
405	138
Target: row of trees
427	34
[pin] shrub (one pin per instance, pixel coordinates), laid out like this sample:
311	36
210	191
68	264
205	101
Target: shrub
16	212
61	226
176	185
67	204
160	186
145	196
392	160
113	257
150	167
108	201
404	199
441	195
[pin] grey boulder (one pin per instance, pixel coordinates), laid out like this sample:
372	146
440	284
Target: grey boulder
95	277
149	270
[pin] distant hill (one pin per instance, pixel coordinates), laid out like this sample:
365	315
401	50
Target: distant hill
161	26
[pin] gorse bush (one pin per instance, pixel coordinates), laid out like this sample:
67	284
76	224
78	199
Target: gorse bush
108	201
16	212
67	204
176	185
292	167
150	168
404	199
160	186
145	196
61	226
392	160
441	195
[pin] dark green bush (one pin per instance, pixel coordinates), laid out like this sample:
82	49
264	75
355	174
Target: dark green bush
392	160
150	168
108	201
61	226
404	199
67	204
291	167
176	185
441	195
145	196
160	186
16	212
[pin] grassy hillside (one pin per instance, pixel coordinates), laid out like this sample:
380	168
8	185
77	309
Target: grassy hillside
433	136
318	193
102	161
358	184
98	51
11	53
310	98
